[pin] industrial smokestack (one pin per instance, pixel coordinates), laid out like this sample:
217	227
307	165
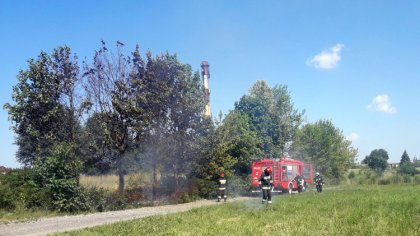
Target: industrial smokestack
205	72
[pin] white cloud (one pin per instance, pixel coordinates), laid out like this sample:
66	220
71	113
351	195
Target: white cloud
353	137
382	103
327	59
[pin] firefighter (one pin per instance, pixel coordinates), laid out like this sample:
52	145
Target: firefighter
266	183
222	188
318	181
299	182
298	178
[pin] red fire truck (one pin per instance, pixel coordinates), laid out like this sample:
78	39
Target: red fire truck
284	172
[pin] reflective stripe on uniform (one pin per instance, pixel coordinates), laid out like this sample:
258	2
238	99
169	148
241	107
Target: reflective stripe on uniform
222	188
222	181
265	187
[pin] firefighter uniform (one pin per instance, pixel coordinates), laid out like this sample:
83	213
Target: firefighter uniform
318	181
300	182
266	182
298	179
222	188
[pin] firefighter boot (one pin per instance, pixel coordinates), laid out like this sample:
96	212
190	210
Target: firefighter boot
219	198
225	198
269	202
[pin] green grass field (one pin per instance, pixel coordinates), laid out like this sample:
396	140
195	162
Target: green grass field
358	210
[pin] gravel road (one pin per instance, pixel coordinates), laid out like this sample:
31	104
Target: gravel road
45	226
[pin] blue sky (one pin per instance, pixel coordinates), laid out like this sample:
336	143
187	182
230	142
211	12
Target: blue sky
355	63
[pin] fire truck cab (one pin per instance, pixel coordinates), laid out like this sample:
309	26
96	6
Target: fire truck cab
284	172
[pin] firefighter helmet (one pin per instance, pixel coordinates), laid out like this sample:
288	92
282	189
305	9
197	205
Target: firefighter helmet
268	169
222	175
317	173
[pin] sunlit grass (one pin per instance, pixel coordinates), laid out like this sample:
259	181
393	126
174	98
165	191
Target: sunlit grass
108	182
367	210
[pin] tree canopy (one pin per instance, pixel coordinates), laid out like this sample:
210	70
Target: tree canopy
377	160
325	146
406	166
44	110
404	158
271	116
148	111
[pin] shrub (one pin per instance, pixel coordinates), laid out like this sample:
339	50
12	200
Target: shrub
407	169
17	189
134	195
406	179
116	201
351	175
58	175
396	179
7	198
96	198
416	179
237	185
207	188
333	181
384	181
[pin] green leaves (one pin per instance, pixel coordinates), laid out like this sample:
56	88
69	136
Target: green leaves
44	112
325	146
149	110
405	158
406	166
377	160
58	175
271	115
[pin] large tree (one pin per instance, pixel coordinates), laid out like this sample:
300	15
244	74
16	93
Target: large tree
377	160
271	115
44	112
233	145
149	109
404	158
406	166
326	147
95	153
111	83
177	127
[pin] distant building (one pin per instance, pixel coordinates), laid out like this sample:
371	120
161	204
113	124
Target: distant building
393	165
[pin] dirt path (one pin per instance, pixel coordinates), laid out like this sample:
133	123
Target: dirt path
51	225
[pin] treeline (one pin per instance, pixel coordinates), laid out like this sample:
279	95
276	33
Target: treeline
377	160
131	113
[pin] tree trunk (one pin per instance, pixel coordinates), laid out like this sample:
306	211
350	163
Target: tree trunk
121	181
154	183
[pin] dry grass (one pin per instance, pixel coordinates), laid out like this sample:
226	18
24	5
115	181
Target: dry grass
110	182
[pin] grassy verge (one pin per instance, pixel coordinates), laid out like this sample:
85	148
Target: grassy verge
21	215
356	210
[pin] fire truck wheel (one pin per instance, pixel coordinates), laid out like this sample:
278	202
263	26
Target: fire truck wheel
290	188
